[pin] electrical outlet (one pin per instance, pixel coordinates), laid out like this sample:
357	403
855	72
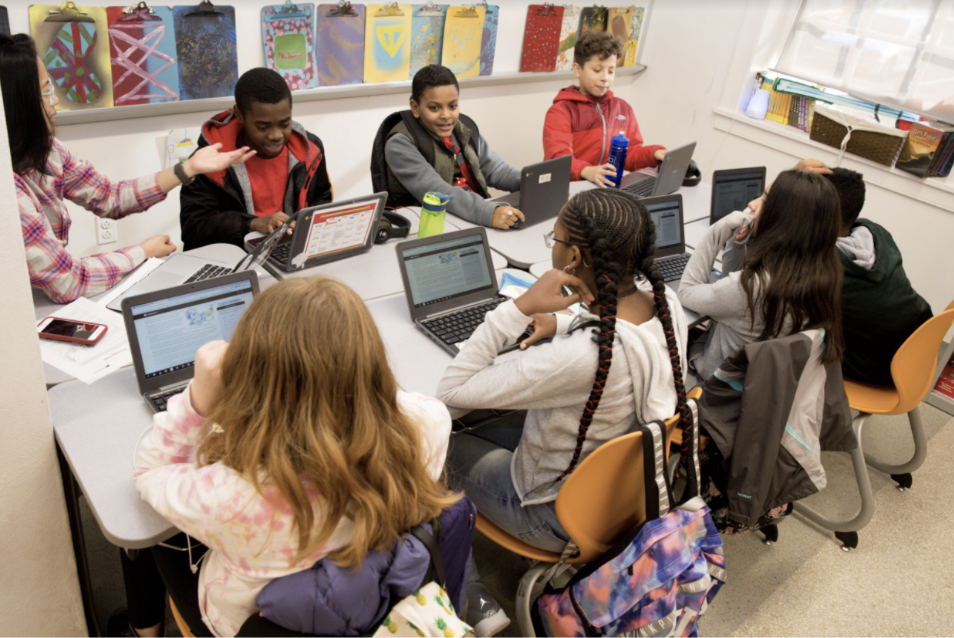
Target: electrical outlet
106	232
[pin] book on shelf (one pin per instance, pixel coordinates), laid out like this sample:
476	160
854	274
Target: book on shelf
919	149
944	157
945	382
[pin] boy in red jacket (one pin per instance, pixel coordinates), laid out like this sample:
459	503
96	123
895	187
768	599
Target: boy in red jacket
584	119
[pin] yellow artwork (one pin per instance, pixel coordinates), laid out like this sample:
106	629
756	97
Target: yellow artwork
73	43
387	42
462	37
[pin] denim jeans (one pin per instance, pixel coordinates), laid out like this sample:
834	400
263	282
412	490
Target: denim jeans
479	465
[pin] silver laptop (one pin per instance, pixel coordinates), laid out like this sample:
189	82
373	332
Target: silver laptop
544	189
671	256
671	173
166	328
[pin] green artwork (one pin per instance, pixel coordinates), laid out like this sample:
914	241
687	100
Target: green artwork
291	52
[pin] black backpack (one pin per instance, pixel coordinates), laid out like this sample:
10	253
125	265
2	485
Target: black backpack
422	140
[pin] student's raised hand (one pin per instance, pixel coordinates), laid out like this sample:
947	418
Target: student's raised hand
599	175
544	326
158	246
813	166
206	387
270	223
547	294
208	159
505	217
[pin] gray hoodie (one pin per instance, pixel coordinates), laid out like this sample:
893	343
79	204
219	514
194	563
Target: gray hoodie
859	247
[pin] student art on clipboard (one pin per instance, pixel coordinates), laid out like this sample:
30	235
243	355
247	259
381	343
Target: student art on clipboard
541	39
288	35
568	29
208	57
462	38
592	19
427	35
339	57
488	41
629	52
142	47
387	43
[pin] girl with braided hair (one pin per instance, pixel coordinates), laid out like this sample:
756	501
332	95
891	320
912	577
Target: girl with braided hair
583	388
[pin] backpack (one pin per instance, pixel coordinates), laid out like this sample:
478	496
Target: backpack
659	579
422	140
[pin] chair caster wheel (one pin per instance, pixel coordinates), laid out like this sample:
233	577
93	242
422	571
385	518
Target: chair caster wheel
849	540
904	481
771	534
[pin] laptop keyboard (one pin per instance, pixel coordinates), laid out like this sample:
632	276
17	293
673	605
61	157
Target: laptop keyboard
280	254
159	401
208	271
642	188
455	327
671	268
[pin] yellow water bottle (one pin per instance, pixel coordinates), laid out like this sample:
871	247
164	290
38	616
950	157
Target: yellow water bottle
432	214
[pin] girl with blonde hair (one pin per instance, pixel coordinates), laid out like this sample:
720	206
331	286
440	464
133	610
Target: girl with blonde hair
292	443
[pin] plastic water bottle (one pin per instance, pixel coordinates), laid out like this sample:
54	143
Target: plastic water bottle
619	146
432	214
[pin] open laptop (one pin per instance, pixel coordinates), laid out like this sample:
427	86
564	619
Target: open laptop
167	327
450	284
327	233
185	269
671	256
669	178
733	189
544	189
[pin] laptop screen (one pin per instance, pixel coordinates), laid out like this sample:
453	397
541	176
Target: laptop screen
448	269
171	331
337	228
734	191
665	214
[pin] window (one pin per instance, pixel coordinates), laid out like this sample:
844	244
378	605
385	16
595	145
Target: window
898	52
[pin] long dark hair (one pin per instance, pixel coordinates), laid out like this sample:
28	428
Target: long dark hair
617	234
791	269
28	128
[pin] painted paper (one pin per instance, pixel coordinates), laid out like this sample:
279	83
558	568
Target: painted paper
76	55
181	143
568	29
339	57
619	21
462	39
4	21
541	39
143	57
387	44
427	37
290	43
592	19
629	52
208	63
488	41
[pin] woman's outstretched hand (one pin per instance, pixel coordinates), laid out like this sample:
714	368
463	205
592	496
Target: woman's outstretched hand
209	159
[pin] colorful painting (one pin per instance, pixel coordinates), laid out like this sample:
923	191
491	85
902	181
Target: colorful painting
142	50
4	21
462	39
339	55
76	55
568	29
619	21
387	43
592	19
629	54
288	34
541	39
488	41
208	62
427	35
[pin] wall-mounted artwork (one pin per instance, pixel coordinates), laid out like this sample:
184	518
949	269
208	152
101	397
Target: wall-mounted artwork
339	54
73	43
568	29
488	41
619	20
427	35
629	54
462	39
206	45
387	43
142	50
541	39
4	21
288	35
592	19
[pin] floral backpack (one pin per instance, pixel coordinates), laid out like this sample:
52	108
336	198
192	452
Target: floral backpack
659	579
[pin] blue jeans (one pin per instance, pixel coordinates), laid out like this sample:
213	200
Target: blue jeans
479	465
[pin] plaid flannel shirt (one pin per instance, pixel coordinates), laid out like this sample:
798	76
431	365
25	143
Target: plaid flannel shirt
45	223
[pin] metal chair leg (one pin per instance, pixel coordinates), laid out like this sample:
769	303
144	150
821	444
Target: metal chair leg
528	591
902	473
864	489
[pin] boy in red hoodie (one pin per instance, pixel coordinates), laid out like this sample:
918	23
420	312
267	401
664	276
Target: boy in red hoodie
584	119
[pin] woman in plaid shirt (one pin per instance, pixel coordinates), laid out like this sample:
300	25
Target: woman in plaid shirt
46	175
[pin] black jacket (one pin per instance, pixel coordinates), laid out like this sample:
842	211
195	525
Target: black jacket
216	208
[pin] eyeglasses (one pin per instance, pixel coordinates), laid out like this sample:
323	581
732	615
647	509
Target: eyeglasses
49	92
550	237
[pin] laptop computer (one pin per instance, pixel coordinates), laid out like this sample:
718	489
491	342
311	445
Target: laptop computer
165	329
327	233
449	284
733	189
669	178
671	256
544	189
185	269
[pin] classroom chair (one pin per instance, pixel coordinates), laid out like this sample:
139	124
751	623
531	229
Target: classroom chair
603	499
256	625
913	369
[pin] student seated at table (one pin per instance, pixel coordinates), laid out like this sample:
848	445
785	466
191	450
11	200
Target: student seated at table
46	175
879	307
584	118
584	388
788	279
464	164
288	173
328	458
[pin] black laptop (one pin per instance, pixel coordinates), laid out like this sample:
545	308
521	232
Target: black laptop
544	189
733	189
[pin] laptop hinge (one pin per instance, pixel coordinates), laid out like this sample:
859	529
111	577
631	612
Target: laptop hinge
171	386
480	302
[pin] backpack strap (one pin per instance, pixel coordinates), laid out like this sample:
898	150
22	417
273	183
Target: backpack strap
690	433
432	542
474	131
656	478
422	139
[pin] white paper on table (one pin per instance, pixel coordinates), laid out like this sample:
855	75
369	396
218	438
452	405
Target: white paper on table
89	363
130	280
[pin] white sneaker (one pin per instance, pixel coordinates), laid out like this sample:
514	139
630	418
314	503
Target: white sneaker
483	613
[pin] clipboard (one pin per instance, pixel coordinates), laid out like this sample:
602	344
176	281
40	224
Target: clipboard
142	48
206	46
462	39
427	35
541	38
288	36
630	49
387	42
593	19
488	41
568	29
339	53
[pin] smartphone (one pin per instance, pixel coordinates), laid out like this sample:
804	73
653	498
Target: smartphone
83	332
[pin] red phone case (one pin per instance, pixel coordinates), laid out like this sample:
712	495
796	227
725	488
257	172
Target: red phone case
84	342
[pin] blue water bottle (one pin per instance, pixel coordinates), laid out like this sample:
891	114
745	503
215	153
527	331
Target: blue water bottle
619	146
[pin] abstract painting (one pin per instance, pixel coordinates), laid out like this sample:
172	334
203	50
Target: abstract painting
339	57
462	39
205	42
592	19
571	22
288	34
488	41
619	20
541	39
387	43
629	55
142	49
427	35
